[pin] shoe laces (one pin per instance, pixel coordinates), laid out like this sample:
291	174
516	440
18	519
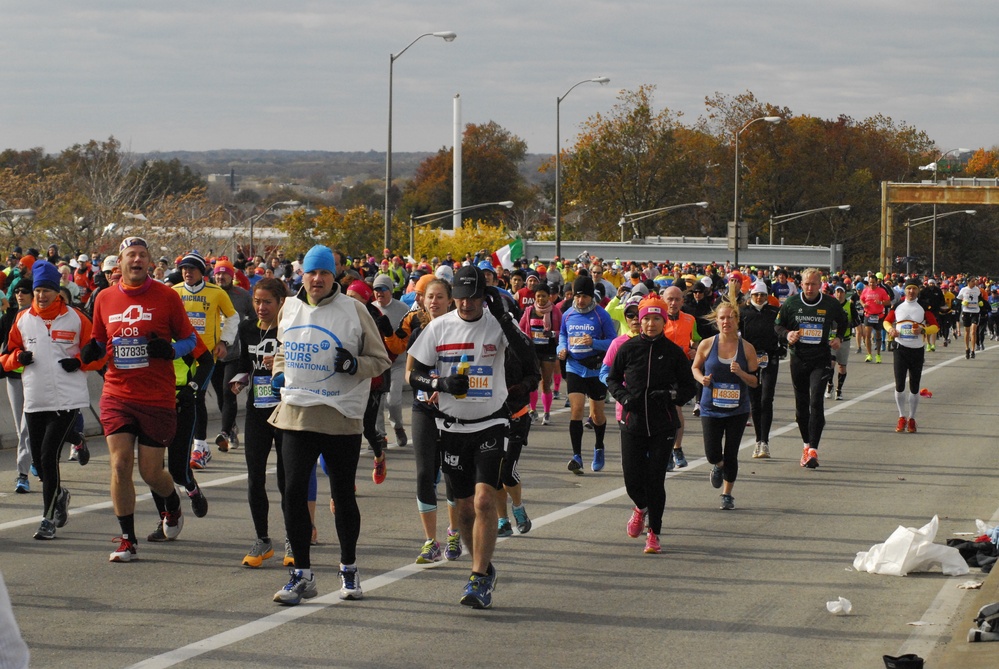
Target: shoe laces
123	544
296	578
349	578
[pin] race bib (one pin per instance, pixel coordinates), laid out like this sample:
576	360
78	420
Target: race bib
873	319
763	358
198	320
906	330
538	335
577	345
810	334
480	382
129	352
264	396
725	395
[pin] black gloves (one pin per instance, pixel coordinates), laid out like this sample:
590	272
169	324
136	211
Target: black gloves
25	358
344	361
186	397
494	301
456	384
400	333
71	364
92	352
159	348
384	326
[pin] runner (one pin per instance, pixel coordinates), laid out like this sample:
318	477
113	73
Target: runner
757	322
970	299
542	321
907	323
138	318
876	302
842	356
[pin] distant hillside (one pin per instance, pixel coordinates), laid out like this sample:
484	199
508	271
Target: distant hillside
316	167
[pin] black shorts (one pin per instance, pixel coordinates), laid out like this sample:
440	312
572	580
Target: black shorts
969	319
591	386
473	457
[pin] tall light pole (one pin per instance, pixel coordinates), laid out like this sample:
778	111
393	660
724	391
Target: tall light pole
254	219
426	219
558	159
784	218
915	222
933	166
447	36
735	198
635	216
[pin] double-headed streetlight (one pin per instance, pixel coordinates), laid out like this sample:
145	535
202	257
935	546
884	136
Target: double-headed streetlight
447	36
558	159
784	218
427	219
735	198
635	216
933	166
254	219
914	222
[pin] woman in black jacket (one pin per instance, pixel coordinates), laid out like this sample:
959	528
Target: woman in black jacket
756	319
650	377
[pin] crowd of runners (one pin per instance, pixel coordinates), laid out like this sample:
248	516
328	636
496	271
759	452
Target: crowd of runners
322	345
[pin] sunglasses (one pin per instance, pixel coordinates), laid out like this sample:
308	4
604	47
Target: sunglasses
631	316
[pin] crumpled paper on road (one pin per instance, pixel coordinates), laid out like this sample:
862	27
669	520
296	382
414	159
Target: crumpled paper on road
910	550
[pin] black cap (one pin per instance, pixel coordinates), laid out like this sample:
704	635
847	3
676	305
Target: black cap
469	282
583	285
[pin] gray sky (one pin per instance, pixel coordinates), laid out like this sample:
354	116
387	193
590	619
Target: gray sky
249	74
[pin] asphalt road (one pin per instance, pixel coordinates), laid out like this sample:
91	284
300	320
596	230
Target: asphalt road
745	588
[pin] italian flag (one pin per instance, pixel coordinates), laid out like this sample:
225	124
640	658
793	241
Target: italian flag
505	256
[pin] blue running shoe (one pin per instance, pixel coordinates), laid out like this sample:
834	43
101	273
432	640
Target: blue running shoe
504	529
22	485
598	459
681	461
34	470
297	589
523	522
452	550
479	591
576	465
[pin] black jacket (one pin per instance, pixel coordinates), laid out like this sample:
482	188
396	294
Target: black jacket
758	327
650	378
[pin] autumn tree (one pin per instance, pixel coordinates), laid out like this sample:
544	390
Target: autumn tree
983	163
354	231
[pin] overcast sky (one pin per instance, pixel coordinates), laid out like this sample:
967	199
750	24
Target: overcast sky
250	74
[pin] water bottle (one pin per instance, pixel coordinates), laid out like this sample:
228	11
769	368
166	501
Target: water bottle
462	369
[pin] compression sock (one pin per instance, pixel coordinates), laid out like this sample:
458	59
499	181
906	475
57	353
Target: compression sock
576	436
840	381
598	431
901	402
913	403
546	402
534	401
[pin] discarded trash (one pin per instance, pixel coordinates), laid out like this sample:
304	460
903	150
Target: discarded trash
839	606
919	623
987	624
911	550
970	585
908	661
925	392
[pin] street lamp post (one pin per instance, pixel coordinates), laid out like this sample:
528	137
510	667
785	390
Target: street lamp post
784	218
933	166
447	36
427	219
558	160
735	198
635	216
916	222
254	219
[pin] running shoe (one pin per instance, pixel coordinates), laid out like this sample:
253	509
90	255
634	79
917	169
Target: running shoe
839	395
297	589
804	455
479	591
556	395
598	459
125	552
911	427
546	419
46	530
727	503
430	554
62	507
233	438
289	556
946	343
82	452
350	583
652	543
34	471
453	549
21	484
828	392
523	522
378	472
576	465
764	450
900	427
260	550
534	417
74	452
636	524
756	450
566	402
200	459
157	535
681	461
697	410
400	438
715	476
504	529
972	355
222	441
589	423
199	503
877	359
812	461
868	358
967	354
173	523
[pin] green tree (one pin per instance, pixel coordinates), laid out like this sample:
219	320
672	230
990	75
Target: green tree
354	231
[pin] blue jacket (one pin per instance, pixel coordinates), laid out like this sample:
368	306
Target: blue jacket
585	360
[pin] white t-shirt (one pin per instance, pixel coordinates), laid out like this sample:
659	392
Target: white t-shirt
441	345
969	297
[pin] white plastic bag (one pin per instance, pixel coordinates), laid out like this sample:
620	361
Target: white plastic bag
911	550
841	605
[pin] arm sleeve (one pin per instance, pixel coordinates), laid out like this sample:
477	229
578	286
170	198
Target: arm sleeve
372	356
230	327
206	363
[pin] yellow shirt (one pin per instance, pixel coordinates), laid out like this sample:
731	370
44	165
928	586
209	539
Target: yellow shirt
205	308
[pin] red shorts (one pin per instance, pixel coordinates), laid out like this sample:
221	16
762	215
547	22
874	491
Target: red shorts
154	425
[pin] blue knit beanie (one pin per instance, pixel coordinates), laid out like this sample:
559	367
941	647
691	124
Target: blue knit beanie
45	275
319	257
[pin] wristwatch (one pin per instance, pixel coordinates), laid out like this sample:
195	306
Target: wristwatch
192	385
